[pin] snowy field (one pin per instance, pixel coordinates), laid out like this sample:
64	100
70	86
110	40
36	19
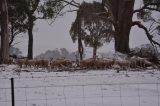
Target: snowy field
80	88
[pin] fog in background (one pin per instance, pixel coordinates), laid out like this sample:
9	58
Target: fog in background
50	37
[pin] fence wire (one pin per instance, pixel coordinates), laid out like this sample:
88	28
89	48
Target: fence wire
108	94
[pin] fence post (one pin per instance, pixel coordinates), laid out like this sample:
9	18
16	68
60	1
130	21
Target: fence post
12	91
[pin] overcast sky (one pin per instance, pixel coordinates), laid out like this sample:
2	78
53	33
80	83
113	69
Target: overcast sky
50	37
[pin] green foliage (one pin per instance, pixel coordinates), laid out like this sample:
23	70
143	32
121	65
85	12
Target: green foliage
38	9
153	1
50	8
150	14
17	19
97	32
16	14
92	28
145	15
20	10
74	31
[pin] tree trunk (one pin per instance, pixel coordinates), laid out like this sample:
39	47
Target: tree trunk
30	37
80	45
4	32
80	48
11	35
122	11
124	24
94	52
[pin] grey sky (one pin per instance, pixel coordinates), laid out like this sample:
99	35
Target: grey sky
49	37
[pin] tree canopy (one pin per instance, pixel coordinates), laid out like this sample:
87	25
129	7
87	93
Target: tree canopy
93	29
121	16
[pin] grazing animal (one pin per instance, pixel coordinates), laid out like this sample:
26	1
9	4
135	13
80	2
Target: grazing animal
139	62
41	64
88	63
20	62
103	64
59	63
124	64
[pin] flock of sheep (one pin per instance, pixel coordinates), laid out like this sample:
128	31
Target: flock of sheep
99	63
132	62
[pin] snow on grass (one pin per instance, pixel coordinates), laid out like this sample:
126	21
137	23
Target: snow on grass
80	88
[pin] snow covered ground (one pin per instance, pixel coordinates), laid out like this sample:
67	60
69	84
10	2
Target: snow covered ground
80	88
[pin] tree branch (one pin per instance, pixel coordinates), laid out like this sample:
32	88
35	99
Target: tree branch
157	22
149	36
146	6
73	3
72	10
40	17
35	6
57	14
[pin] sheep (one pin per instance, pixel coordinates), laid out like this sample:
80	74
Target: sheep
88	63
59	63
133	62
102	64
124	64
20	62
30	63
42	63
96	64
109	63
139	62
10	61
143	62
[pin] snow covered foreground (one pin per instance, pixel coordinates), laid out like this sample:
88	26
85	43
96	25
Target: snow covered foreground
81	88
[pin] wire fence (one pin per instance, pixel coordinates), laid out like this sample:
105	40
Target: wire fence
88	94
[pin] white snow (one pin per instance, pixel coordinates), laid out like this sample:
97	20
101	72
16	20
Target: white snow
80	88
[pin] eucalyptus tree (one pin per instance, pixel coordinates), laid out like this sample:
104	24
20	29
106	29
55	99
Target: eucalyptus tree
96	33
38	9
121	15
4	31
17	20
76	34
91	28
